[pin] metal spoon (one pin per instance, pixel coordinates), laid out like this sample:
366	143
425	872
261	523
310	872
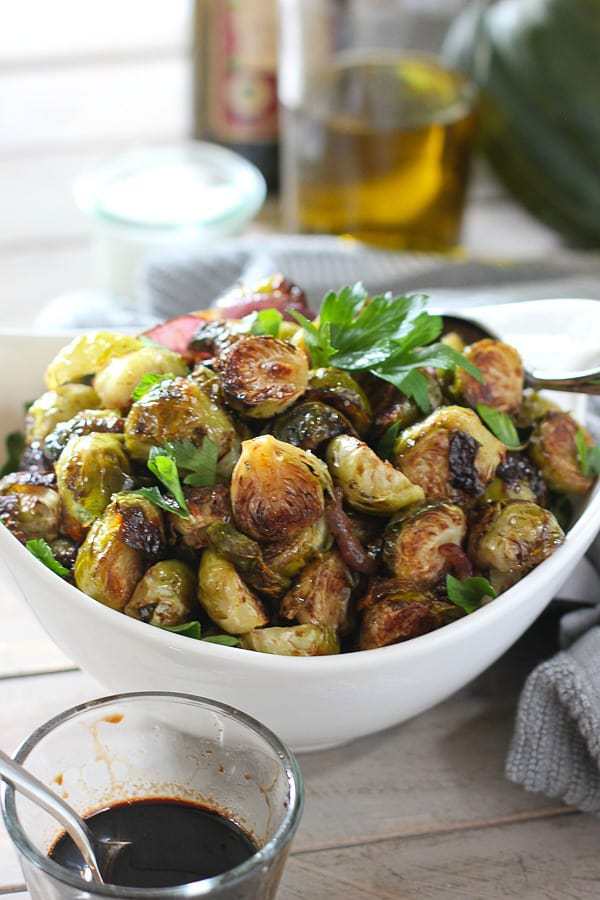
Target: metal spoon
586	381
97	854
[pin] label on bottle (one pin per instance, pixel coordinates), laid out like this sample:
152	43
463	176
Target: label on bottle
241	88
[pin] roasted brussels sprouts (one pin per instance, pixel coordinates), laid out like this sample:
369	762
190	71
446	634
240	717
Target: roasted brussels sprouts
339	389
370	484
225	597
502	370
393	408
510	539
208	380
109	565
214	337
451	455
533	408
142	524
412	542
103	421
29	507
287	558
64	551
165	595
246	555
553	449
277	489
86	355
89	471
517	479
309	424
403	615
116	382
57	406
261	376
293	640
321	594
180	410
207	506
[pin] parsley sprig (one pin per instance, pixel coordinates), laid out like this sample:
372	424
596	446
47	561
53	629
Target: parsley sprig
391	337
588	457
149	381
194	630
501	425
43	551
168	462
470	593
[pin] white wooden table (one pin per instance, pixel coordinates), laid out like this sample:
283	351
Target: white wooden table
422	811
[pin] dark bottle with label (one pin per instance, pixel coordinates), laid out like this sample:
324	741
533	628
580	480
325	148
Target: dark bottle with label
235	79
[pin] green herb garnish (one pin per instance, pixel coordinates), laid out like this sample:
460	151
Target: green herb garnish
200	462
149	381
42	551
386	445
501	425
194	630
588	457
162	464
391	337
470	593
169	504
15	444
266	321
228	640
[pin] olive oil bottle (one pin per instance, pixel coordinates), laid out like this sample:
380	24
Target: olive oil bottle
382	153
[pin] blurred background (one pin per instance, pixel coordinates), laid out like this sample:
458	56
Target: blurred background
385	108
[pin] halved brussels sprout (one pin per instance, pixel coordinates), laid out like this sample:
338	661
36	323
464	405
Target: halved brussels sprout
510	539
107	567
405	614
165	595
309	424
261	376
142	523
91	468
29	507
451	454
293	640
225	597
180	410
339	389
502	370
321	594
208	380
116	381
207	506
103	421
553	449
395	409
277	489
246	555
412	541
57	406
86	355
370	484
287	558
214	337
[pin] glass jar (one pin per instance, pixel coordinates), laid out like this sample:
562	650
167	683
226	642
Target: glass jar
377	130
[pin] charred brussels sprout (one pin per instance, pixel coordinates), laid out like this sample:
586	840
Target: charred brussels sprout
403	615
451	455
89	471
165	595
412	542
109	564
339	389
502	370
517	479
553	449
225	597
207	506
277	489
103	421
86	355
262	376
57	406
116	382
180	410
309	424
246	555
370	484
29	507
208	380
510	539
295	640
321	594
287	558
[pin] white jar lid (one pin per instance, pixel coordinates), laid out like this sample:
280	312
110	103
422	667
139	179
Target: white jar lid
195	186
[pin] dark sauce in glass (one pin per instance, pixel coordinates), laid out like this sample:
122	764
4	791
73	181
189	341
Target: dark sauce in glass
172	842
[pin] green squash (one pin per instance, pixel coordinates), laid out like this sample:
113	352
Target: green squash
538	67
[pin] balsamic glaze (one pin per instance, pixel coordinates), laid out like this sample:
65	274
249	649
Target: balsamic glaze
172	842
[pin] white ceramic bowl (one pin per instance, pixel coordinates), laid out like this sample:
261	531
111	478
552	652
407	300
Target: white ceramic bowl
320	702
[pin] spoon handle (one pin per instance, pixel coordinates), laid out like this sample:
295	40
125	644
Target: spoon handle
577	382
31	787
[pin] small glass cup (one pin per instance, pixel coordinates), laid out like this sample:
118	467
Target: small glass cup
154	744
